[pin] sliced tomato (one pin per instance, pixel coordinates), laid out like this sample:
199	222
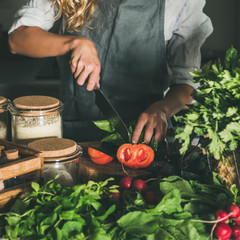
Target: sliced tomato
99	157
135	156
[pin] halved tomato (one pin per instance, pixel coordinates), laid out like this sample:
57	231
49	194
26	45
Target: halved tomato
135	156
99	157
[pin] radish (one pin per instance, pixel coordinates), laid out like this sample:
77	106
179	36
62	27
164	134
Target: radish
139	185
115	194
236	231
125	183
223	231
237	219
221	215
234	210
150	197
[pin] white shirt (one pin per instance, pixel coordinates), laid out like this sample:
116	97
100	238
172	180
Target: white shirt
186	28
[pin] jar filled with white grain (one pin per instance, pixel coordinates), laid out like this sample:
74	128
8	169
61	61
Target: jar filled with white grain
61	159
35	117
4	118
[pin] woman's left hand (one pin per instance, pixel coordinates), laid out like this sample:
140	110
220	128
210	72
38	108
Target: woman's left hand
154	118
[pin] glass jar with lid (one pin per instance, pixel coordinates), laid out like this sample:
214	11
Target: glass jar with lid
4	118
61	157
35	117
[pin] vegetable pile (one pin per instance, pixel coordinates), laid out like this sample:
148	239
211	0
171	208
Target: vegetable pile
90	211
215	116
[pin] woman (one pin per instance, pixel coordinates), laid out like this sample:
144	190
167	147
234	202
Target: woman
134	49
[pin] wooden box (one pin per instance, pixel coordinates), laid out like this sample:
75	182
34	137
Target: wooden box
28	167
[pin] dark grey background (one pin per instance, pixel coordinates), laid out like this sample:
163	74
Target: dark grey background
21	76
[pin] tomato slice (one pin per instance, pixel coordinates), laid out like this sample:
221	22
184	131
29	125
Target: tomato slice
99	157
135	156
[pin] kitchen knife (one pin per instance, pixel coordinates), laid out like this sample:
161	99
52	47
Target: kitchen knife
111	114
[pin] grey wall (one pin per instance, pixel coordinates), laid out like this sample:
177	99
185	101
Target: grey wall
226	21
7	10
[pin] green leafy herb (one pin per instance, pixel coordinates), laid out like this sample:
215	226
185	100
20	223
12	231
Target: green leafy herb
215	115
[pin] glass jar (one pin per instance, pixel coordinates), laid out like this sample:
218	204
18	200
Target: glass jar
35	117
4	118
61	158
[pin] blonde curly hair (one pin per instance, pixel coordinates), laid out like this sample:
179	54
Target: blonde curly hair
77	12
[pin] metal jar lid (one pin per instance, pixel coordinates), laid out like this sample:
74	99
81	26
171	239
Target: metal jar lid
35	105
56	149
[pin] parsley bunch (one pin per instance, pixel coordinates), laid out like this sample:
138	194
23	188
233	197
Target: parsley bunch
215	115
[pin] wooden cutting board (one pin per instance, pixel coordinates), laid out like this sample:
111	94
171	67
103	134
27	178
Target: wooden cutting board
88	170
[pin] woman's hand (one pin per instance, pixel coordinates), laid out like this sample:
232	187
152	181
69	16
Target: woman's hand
36	42
155	117
85	64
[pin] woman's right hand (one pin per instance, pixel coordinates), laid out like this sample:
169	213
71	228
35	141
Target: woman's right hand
36	42
84	62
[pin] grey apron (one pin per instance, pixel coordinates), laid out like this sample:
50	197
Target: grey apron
129	38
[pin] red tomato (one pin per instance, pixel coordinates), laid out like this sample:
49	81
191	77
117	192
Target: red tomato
99	157
135	156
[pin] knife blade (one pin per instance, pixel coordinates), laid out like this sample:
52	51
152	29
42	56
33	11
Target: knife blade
111	114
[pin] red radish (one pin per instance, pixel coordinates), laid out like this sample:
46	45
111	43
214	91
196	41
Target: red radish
237	219
125	183
150	197
234	210
223	231
236	231
139	185
221	215
115	194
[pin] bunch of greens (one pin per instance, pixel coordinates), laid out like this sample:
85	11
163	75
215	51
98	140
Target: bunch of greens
56	212
215	115
87	212
113	137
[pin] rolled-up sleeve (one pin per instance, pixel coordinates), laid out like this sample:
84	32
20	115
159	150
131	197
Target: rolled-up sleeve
38	13
190	30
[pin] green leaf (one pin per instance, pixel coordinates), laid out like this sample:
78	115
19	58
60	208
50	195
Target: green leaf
104	125
231	111
175	182
138	223
70	228
59	234
184	231
231	59
99	234
35	186
226	135
170	203
49	220
67	215
114	138
216	146
193	116
13	219
233	126
107	213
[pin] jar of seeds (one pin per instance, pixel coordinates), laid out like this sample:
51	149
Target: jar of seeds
35	117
